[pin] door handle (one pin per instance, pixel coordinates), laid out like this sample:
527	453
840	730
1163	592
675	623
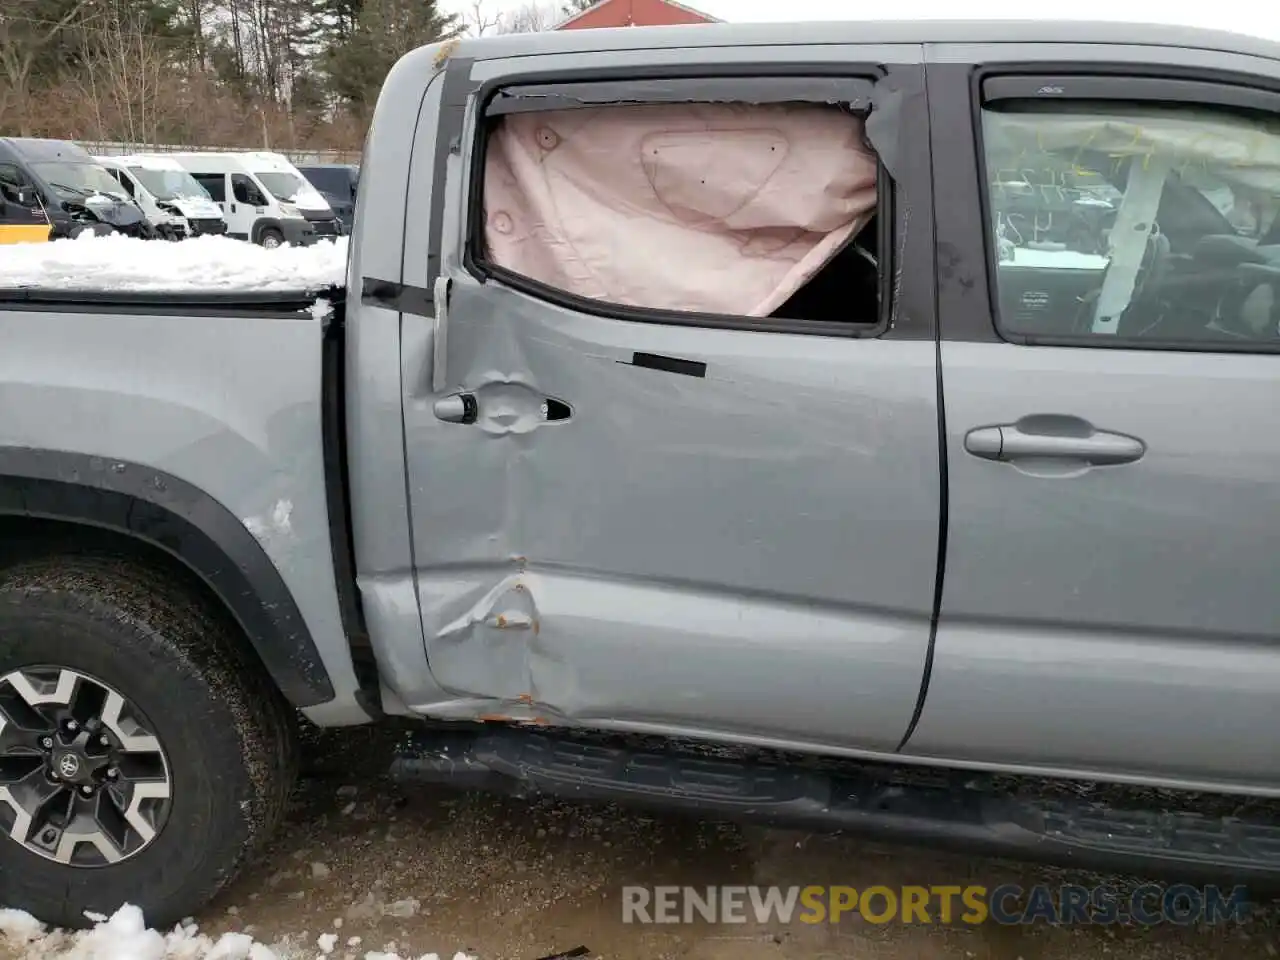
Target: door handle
1060	438
509	408
459	408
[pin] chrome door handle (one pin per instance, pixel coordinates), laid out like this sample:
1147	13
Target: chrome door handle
1013	441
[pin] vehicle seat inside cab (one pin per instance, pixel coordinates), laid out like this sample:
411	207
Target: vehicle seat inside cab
1239	281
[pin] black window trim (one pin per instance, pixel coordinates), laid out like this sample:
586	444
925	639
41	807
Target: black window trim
21	180
219	178
250	183
852	83
1152	83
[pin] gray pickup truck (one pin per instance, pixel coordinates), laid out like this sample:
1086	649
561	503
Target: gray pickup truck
698	427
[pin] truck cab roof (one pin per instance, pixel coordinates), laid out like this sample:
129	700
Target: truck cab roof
817	33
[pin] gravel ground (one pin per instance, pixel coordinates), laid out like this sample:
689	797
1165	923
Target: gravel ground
413	871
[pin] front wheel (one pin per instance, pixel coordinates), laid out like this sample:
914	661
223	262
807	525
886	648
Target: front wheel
271	239
143	755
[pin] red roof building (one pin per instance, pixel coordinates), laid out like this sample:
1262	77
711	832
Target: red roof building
634	13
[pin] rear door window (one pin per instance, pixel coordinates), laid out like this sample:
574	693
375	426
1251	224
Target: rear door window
1141	222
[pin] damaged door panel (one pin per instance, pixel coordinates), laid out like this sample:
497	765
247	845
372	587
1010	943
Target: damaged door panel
665	521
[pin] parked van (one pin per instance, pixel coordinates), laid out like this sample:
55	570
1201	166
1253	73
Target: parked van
171	198
69	188
337	183
263	197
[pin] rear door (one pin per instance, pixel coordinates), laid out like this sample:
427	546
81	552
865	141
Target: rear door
1111	372
668	521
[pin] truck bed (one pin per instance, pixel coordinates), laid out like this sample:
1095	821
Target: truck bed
219	426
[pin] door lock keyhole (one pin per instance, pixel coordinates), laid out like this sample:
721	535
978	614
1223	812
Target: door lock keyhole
553	409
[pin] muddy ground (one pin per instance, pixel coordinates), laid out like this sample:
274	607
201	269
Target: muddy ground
416	870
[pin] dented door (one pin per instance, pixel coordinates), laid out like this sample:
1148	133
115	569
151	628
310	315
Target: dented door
672	527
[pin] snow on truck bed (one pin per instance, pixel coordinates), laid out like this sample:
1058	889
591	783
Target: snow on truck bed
199	264
125	936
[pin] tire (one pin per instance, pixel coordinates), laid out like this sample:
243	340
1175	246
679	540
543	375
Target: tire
227	738
271	239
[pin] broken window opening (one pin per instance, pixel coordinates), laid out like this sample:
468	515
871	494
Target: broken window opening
755	212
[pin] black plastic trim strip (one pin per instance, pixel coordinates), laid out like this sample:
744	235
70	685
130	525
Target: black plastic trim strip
960	262
160	509
333	435
1048	86
653	361
1093	341
850	91
457	87
944	500
400	297
908	227
618	311
167	303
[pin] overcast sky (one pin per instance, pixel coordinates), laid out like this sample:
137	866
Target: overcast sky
1246	16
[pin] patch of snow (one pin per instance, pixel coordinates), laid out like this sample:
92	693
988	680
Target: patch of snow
125	936
116	263
321	309
20	927
1056	259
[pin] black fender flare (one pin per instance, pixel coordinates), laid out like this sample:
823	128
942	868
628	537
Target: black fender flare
169	513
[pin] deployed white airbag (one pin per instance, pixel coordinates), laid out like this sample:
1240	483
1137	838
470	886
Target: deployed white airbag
712	208
1240	151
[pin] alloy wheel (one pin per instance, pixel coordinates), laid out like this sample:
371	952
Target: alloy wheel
84	781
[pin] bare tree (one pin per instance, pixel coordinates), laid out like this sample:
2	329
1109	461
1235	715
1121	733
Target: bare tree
532	17
23	40
479	19
123	69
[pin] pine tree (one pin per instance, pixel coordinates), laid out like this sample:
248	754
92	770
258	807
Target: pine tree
385	31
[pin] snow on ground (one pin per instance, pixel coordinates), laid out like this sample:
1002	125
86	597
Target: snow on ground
125	936
117	262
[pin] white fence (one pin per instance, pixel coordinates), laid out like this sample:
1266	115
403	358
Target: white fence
113	148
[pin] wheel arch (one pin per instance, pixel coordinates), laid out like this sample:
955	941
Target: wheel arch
44	491
262	225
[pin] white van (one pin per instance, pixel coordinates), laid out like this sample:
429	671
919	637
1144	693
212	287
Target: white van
171	199
263	196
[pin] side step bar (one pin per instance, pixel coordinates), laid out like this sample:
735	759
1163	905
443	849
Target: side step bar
937	809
